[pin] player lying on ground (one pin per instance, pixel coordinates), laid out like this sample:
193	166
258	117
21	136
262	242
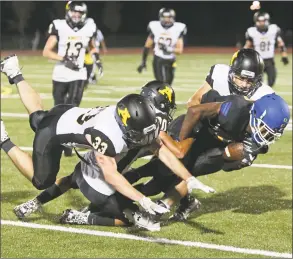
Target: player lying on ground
163	97
111	131
221	126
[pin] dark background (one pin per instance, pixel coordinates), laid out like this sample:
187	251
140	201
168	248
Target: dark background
124	23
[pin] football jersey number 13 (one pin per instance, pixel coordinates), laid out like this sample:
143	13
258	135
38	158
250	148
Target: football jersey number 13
73	48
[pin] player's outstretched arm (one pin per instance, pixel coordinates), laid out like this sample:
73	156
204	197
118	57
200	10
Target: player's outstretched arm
172	162
118	181
195	114
195	99
148	44
179	149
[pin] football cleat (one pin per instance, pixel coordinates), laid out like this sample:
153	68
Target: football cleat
25	209
10	67
70	216
187	205
142	220
4	134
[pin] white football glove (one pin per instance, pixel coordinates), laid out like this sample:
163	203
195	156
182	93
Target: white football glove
193	183
151	207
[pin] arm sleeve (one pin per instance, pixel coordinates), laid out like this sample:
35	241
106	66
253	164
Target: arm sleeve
183	33
52	29
209	78
101	143
210	96
248	37
149	30
100	36
233	111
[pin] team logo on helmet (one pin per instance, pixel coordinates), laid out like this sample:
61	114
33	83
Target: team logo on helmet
124	114
233	57
168	92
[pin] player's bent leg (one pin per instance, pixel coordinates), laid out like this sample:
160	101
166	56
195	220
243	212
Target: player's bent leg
157	68
61	186
29	97
21	160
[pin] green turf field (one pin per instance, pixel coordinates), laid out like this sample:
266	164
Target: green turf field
252	208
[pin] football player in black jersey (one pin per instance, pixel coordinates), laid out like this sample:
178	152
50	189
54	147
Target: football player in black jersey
215	123
166	36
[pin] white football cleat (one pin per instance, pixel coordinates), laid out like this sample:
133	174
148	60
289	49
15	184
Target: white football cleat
142	220
10	67
4	134
70	216
25	209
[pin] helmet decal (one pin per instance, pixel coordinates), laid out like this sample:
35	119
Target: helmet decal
167	91
233	57
124	114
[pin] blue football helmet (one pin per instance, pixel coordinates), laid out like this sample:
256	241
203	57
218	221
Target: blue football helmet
269	116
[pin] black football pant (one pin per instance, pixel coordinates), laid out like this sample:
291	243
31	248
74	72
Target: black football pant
47	149
68	92
164	69
270	70
104	209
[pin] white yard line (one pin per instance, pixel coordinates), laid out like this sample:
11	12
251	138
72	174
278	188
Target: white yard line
289	167
157	240
92	99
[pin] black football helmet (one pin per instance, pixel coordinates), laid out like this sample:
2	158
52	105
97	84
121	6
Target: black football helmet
167	17
162	95
246	65
76	14
261	20
136	117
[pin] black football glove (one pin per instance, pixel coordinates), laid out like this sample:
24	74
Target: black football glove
100	68
141	67
166	49
285	60
251	147
70	62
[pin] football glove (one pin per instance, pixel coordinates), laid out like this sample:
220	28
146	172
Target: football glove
141	67
70	62
193	183
100	68
166	49
151	207
10	67
285	60
251	147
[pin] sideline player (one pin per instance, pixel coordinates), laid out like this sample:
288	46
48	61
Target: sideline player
263	37
93	62
167	37
73	35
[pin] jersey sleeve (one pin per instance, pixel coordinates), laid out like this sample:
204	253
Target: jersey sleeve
100	36
101	142
210	96
247	36
209	78
183	32
150	31
232	112
163	120
53	29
